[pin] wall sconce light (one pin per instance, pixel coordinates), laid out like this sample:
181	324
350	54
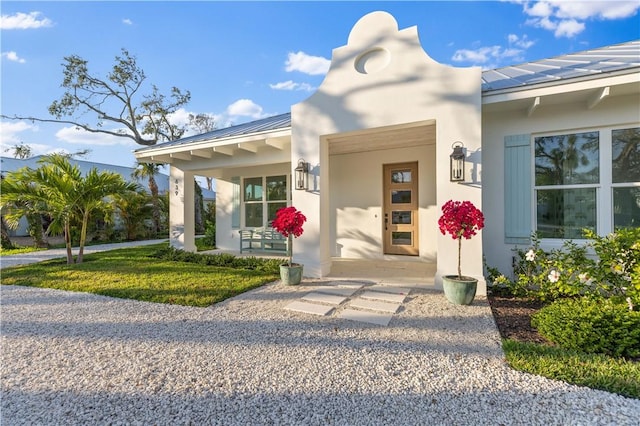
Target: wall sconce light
302	175
457	158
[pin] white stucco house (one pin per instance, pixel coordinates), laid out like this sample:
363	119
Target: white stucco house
551	146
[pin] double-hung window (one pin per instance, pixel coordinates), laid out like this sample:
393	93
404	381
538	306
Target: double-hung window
625	166
586	180
263	196
567	175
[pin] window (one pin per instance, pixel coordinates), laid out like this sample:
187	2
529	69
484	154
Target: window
263	197
586	180
625	166
567	174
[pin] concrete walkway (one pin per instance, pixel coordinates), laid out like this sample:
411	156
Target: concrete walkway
39	256
357	301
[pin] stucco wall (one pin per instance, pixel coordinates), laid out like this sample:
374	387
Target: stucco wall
622	111
383	77
356	227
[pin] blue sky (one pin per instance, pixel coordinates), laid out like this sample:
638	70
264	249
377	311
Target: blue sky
247	60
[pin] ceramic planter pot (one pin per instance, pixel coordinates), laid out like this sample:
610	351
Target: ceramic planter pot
291	275
459	291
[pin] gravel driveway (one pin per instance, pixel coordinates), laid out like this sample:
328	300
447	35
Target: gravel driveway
74	358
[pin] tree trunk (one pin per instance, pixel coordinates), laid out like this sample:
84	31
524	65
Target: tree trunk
36	232
67	242
6	241
83	236
459	257
198	209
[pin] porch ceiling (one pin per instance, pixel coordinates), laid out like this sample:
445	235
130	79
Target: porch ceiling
383	138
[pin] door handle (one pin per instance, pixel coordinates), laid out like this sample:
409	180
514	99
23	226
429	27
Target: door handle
386	221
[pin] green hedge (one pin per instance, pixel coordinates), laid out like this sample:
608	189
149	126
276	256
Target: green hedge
271	266
591	325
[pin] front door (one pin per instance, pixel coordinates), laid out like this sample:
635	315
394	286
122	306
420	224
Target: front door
401	209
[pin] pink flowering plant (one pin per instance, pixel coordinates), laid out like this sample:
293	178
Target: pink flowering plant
288	222
460	219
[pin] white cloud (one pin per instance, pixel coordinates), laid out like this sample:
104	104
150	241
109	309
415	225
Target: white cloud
127	21
522	42
181	118
486	55
313	65
246	108
595	9
569	28
9	130
291	85
24	21
10	135
493	56
567	18
13	56
75	135
477	56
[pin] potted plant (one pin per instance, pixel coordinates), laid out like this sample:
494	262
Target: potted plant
460	219
288	222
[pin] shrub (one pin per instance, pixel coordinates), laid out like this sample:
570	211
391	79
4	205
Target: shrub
611	270
209	238
224	260
591	325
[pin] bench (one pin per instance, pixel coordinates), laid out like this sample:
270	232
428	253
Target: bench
262	239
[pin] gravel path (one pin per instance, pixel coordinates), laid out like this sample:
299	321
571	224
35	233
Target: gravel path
74	358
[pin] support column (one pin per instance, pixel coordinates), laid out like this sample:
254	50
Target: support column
181	210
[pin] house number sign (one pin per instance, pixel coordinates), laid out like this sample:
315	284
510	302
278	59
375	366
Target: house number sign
176	192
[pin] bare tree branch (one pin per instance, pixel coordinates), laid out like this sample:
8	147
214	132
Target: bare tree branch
115	99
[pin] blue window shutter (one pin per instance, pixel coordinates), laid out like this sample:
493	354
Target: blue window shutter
517	189
235	202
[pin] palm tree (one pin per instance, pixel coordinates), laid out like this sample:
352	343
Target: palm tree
18	208
58	188
134	209
149	171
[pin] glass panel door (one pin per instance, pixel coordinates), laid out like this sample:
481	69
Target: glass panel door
400	227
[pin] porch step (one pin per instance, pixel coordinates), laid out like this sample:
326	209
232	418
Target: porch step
331	299
387	297
309	308
368	317
375	305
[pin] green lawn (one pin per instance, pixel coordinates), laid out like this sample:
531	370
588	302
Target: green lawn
616	375
132	273
19	250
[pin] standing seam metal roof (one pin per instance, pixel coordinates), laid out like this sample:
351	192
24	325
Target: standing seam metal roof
587	63
275	122
593	62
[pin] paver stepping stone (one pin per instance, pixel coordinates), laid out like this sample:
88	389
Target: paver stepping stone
390	289
363	316
340	291
375	305
309	308
331	299
387	297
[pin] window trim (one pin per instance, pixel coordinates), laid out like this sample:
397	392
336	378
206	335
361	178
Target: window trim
604	188
264	202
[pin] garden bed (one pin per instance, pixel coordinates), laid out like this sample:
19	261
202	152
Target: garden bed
513	318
